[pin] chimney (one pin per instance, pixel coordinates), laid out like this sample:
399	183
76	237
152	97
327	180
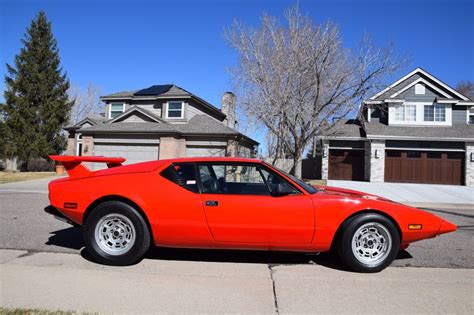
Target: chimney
228	108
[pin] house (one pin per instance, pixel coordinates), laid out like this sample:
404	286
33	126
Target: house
160	122
417	130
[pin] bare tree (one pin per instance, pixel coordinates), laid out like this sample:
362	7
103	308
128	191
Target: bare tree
466	88
293	78
86	102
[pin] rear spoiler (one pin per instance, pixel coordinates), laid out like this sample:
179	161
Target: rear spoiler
75	168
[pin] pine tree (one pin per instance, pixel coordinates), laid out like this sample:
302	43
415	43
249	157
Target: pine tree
36	104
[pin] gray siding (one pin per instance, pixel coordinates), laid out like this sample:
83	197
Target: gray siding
410	96
399	87
459	115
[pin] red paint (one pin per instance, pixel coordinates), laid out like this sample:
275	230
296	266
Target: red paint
180	218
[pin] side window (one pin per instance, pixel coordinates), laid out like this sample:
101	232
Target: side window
273	180
183	175
232	179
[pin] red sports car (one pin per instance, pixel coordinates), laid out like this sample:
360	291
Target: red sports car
233	203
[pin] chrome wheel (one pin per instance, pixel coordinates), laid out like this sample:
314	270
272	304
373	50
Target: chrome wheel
115	234
371	243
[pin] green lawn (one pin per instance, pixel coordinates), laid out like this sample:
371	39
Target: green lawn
9	177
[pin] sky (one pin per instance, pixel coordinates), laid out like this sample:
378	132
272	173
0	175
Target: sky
126	45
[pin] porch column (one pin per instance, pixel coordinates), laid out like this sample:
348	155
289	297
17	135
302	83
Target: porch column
88	150
325	160
171	148
377	161
469	164
232	148
71	146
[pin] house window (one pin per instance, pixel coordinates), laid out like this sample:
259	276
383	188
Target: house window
405	112
410	112
471	116
399	112
175	110
116	109
435	113
419	88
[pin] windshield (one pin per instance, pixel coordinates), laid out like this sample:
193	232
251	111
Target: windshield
309	189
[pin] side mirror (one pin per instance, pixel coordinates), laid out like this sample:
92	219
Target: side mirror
282	189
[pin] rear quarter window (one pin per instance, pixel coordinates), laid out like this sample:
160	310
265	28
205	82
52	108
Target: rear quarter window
183	175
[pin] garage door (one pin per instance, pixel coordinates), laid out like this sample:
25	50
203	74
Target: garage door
197	151
134	153
424	167
346	164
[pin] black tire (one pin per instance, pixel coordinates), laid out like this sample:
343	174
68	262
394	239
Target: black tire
351	259
134	224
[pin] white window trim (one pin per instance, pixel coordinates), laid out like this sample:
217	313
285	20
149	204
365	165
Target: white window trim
78	142
167	110
469	114
420	115
110	109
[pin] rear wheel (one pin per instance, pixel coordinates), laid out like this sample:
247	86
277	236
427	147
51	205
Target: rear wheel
116	234
369	242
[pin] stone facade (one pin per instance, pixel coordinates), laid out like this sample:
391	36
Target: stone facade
71	146
325	160
469	173
172	148
87	146
377	161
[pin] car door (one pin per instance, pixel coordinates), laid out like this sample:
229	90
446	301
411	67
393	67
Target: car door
240	207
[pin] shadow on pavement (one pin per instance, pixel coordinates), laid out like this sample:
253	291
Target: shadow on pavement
72	238
67	238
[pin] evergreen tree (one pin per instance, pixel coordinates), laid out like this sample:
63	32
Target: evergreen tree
36	104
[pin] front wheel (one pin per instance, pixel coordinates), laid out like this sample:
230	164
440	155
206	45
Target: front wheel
369	242
116	234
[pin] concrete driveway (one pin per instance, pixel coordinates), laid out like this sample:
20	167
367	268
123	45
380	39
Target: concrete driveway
419	195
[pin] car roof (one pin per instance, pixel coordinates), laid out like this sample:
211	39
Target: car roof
213	159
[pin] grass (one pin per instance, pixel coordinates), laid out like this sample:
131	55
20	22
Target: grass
26	311
321	182
10	177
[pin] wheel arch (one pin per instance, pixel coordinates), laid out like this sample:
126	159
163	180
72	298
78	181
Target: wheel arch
120	199
363	211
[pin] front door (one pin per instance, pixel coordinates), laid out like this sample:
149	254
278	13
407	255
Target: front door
240	207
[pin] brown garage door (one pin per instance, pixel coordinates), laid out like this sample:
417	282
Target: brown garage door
424	167
346	164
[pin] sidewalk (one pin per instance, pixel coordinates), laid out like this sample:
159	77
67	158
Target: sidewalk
69	282
418	195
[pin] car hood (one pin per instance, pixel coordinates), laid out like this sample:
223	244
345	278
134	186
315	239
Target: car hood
350	193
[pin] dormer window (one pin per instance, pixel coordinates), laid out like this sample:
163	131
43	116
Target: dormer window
116	109
435	112
405	112
420	89
175	110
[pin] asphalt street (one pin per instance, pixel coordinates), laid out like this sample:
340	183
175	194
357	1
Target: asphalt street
25	226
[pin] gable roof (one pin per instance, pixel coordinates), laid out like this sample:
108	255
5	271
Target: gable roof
198	125
138	109
92	121
416	75
163	91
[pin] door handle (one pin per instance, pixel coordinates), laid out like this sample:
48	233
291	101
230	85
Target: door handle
212	203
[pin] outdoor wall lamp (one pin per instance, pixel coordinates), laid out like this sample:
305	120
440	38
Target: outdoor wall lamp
377	154
325	152
472	156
